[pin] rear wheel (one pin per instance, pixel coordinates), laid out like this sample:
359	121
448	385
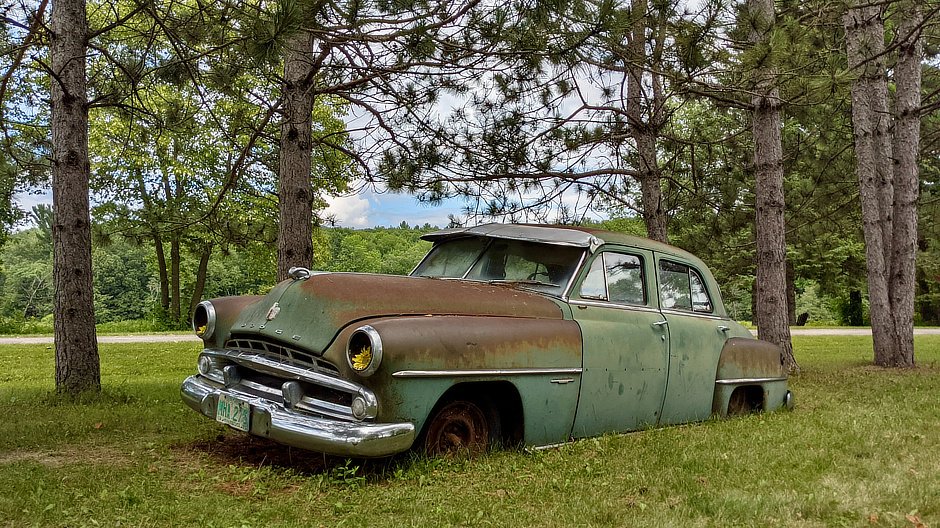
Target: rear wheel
459	426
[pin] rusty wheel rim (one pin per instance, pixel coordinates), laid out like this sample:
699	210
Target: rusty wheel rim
459	427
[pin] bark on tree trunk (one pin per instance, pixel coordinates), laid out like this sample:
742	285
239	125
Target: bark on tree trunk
77	366
200	285
644	115
295	192
772	311
907	73
791	294
887	172
175	304
161	270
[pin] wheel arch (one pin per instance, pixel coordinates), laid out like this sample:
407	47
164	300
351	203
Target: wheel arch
500	402
751	376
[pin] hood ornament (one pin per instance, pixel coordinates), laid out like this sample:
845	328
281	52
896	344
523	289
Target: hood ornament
272	313
298	273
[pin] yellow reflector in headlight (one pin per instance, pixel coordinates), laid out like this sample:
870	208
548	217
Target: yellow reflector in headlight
204	320
364	351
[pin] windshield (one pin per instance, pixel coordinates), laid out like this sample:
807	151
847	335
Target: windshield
543	267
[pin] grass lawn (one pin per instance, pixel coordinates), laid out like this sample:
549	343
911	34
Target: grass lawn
862	448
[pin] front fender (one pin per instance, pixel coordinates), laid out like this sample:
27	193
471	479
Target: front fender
425	356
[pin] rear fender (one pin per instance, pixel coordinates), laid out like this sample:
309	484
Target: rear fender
752	365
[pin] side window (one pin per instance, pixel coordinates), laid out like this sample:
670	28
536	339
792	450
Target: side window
615	277
700	300
595	284
625	278
682	288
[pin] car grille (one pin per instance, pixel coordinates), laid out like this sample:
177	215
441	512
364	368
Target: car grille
279	352
256	377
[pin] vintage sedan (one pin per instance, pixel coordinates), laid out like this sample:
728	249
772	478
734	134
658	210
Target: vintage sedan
503	334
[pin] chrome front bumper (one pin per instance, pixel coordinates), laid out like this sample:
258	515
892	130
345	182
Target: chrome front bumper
272	420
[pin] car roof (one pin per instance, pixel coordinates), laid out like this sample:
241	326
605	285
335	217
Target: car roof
586	237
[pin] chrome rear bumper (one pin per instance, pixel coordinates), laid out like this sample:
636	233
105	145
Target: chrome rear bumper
272	420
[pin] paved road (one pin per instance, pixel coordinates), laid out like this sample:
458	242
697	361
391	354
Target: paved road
854	331
47	340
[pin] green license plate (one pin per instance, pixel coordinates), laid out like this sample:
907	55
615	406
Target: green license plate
234	412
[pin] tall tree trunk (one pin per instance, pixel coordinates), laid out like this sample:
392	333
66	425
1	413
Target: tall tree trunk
200	285
791	293
901	280
157	244
644	111
162	272
175	257
295	192
888	179
772	311
77	366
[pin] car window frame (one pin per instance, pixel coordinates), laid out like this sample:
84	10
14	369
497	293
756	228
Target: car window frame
599	255
690	269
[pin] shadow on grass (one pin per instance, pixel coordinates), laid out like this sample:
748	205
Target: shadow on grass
234	448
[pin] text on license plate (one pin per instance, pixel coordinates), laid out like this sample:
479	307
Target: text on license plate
234	412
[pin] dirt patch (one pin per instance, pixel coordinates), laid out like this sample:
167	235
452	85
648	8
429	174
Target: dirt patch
242	449
234	448
69	455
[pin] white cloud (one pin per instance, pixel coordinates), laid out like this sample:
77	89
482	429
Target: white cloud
350	211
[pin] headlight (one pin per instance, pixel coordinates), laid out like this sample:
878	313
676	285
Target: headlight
364	351
204	320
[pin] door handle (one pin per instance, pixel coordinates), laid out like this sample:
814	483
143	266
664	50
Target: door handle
660	323
723	328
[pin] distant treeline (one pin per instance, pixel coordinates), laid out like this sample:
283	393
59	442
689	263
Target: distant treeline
128	283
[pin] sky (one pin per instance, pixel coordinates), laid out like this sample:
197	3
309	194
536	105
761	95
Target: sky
367	209
370	209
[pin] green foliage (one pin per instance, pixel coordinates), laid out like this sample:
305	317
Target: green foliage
121	281
126	275
810	300
395	251
26	277
850	310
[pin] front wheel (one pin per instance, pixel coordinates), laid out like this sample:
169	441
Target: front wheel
459	426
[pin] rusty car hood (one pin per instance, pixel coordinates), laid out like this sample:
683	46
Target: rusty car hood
311	312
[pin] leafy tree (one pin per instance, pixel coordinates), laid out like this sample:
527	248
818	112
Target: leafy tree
195	171
27	276
121	282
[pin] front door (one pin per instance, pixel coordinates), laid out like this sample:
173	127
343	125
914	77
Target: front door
625	358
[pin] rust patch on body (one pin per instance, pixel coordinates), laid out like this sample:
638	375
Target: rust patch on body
354	296
480	342
750	358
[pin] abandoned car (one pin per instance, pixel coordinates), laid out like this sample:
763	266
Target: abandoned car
511	334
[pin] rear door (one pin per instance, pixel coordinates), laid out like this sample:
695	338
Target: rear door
696	336
624	368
